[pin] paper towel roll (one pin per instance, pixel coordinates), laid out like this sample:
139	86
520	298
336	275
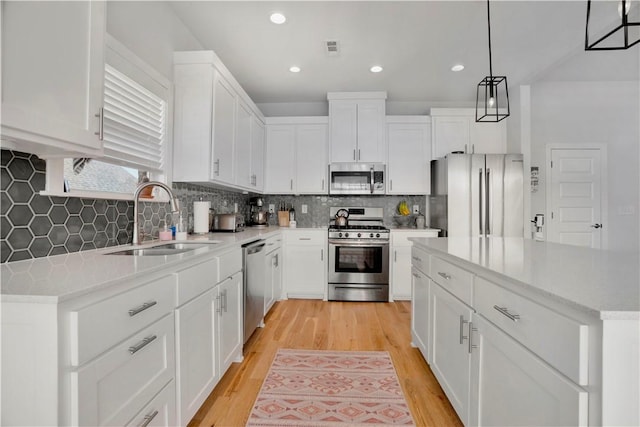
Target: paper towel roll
201	217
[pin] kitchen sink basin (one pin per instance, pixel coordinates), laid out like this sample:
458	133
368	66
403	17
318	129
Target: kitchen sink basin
160	250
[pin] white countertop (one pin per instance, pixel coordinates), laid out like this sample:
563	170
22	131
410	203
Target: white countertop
61	277
602	282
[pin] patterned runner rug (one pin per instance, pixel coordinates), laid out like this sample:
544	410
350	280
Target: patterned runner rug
330	388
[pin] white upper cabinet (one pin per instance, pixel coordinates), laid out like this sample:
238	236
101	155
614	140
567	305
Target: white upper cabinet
218	131
224	126
296	160
257	154
356	123
242	149
456	129
52	77
409	154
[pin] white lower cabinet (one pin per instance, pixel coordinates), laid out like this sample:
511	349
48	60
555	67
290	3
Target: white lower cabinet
197	373
160	412
305	269
511	386
209	330
420	312
273	271
111	389
400	262
450	352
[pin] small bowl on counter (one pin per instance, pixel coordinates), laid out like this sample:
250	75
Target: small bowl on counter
404	221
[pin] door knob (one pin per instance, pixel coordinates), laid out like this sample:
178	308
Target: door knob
597	226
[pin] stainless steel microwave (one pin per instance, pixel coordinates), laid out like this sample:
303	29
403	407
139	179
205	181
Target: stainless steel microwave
356	178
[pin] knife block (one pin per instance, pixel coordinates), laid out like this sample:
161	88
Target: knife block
283	218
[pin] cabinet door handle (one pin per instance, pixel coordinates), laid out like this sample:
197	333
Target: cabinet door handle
142	308
148	418
473	148
462	322
505	311
100	116
471	330
390	185
321	254
465	148
142	344
224	300
217	167
415	275
218	305
291	184
395	256
322	183
415	258
445	276
358	154
354	154
304	238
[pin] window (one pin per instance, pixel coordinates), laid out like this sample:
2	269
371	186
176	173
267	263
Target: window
136	104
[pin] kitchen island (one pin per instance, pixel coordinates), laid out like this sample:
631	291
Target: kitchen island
525	332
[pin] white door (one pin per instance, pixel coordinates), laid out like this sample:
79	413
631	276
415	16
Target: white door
420	312
231	321
224	104
370	132
409	156
343	117
450	134
401	272
257	153
311	159
574	194
513	387
280	155
243	145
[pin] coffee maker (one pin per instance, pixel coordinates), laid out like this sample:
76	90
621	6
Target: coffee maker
258	216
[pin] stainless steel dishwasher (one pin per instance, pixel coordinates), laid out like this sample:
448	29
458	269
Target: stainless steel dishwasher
254	282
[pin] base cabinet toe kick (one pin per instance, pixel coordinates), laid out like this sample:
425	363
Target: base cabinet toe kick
507	355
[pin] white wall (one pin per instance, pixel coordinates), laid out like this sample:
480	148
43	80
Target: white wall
150	30
594	112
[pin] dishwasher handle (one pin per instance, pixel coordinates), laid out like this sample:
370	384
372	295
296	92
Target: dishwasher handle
254	247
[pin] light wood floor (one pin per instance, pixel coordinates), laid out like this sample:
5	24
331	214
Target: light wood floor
322	325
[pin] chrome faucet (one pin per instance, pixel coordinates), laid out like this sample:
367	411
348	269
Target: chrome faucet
172	200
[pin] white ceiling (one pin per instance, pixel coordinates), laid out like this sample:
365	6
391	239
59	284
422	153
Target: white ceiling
416	42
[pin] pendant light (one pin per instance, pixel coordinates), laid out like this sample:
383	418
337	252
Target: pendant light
612	25
492	97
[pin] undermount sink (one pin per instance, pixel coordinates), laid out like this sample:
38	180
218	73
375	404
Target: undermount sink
160	250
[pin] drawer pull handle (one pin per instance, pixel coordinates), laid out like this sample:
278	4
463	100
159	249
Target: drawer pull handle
142	344
142	308
415	258
148	418
219	304
304	238
503	310
462	322
445	276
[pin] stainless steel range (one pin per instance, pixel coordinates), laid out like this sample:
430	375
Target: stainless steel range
358	255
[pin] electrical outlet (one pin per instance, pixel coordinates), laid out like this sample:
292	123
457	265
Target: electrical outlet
235	208
416	209
272	208
304	209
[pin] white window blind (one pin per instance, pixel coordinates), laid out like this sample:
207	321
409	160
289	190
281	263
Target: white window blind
134	123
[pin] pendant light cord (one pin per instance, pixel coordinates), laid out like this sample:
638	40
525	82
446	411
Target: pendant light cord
489	31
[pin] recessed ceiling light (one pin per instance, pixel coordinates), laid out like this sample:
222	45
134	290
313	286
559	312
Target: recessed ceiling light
376	69
294	69
277	18
457	67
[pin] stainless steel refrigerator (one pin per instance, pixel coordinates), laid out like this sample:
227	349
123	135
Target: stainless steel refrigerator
477	195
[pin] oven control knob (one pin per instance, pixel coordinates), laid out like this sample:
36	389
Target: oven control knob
346	234
371	235
339	234
377	234
359	235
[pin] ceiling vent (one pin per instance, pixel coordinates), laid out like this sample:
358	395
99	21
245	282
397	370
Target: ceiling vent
332	47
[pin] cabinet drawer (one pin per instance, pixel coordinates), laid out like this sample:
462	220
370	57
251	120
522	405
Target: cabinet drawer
161	411
401	238
273	243
230	263
454	279
99	326
420	260
305	237
557	339
195	280
112	389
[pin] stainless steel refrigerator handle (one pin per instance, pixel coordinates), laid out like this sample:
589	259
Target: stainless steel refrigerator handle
372	180
489	214
480	198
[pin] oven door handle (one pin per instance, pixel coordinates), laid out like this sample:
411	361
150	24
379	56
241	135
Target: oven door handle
358	243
